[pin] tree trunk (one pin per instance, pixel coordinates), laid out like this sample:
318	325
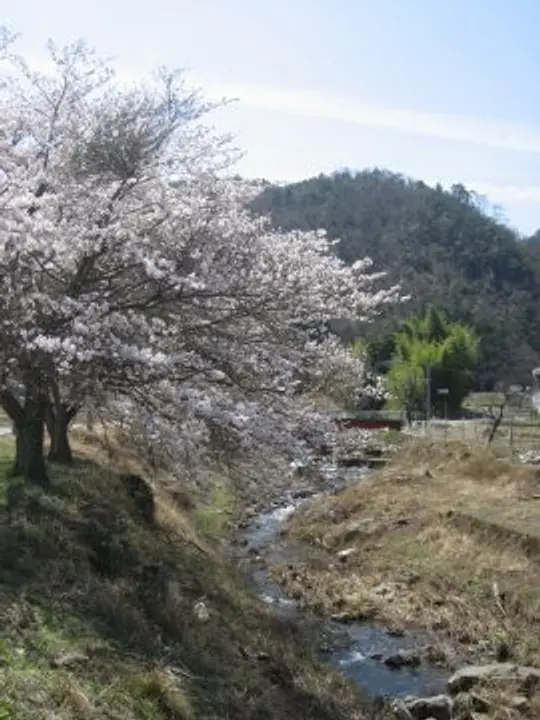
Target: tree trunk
60	449
17	467
29	456
58	418
408	414
497	420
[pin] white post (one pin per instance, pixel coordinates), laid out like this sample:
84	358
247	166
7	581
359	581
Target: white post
428	397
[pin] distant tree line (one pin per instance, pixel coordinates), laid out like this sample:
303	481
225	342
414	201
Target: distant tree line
444	249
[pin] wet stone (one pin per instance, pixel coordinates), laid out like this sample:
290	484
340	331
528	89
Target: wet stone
403	658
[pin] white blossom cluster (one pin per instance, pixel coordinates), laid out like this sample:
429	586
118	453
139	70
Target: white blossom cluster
129	262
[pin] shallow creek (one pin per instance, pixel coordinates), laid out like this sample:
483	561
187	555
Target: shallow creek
356	649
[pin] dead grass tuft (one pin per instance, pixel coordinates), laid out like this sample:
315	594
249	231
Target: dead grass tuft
71	699
167	692
444	538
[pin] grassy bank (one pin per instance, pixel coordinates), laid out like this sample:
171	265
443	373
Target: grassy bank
116	603
444	538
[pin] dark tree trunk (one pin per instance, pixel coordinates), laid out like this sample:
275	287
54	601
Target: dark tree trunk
17	467
497	420
29	427
60	449
58	418
29	456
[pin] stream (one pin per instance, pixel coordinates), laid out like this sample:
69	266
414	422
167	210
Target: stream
356	649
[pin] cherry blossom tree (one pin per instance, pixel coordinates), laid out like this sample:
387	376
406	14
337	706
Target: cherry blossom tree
130	264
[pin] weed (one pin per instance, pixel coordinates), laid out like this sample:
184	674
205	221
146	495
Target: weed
97	606
445	538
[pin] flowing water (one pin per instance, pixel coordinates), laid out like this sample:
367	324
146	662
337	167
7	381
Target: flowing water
359	649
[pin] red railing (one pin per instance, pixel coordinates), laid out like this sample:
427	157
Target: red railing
369	423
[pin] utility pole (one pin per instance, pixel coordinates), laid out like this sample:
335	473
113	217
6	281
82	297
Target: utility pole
428	396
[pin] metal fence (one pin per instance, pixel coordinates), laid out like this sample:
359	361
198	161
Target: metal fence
512	436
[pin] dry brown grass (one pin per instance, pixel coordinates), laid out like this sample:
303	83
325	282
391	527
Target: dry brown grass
108	446
501	699
174	501
83	573
430	535
167	692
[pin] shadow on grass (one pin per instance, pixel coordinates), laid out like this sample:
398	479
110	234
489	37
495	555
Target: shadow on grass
87	566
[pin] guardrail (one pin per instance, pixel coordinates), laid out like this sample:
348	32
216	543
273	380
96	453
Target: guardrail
369	423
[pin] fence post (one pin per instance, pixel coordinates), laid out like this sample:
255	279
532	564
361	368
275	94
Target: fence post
511	435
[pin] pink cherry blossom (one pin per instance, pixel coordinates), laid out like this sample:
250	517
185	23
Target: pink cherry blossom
131	266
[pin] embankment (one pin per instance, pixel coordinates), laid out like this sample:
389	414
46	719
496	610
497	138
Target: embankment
443	540
116	602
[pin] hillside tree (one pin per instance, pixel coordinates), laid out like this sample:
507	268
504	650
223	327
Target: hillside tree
444	246
430	349
131	267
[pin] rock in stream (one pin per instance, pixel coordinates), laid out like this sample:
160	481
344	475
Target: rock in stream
365	653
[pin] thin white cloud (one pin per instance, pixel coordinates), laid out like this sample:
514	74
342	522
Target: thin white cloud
486	132
508	193
462	128
495	192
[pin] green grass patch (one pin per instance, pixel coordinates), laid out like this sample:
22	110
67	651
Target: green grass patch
7	450
213	518
478	400
98	615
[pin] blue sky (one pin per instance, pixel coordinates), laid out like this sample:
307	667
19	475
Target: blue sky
440	90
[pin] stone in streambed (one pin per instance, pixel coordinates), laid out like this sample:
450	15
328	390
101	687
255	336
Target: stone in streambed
403	658
439	707
471	675
344	555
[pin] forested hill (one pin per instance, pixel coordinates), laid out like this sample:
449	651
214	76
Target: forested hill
440	245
